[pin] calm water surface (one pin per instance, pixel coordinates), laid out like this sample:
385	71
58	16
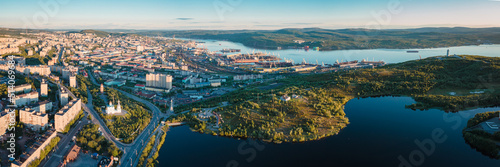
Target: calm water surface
330	57
381	130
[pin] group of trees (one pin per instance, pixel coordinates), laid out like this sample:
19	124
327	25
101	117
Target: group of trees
72	122
83	85
45	151
89	138
481	140
127	127
310	115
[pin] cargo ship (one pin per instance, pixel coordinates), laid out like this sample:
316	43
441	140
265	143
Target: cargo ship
230	50
412	51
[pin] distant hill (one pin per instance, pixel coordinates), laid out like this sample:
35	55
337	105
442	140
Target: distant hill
96	32
14	32
341	39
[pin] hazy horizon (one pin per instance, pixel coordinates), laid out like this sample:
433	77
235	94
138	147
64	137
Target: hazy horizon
249	15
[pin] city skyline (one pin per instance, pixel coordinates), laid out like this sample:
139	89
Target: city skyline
257	14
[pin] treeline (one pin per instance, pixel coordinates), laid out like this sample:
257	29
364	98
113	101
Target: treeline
481	117
152	161
146	151
45	151
483	142
454	103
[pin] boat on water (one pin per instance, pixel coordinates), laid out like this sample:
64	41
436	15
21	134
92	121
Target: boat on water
412	51
230	50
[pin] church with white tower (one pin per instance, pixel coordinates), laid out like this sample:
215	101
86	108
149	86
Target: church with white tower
110	109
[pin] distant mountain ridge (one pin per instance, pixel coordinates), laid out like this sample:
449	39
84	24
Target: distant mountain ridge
340	39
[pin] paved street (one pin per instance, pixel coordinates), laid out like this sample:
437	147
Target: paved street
132	151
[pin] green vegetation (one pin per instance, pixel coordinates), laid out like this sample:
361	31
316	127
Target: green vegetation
257	113
72	123
151	161
147	150
317	113
45	151
81	91
481	117
484	142
346	38
89	138
127	127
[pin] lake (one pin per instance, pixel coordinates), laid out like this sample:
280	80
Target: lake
330	57
381	131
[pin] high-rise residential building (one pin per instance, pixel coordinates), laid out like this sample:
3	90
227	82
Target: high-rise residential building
4	119
35	120
66	114
25	88
26	99
43	106
72	81
63	97
39	69
159	81
44	88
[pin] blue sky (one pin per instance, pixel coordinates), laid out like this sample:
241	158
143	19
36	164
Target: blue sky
247	14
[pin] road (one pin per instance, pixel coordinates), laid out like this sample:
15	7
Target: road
133	150
63	146
96	119
155	145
